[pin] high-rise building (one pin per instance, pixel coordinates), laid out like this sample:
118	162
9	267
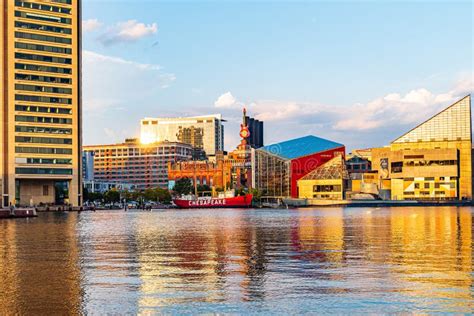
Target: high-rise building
141	165
255	140
201	132
40	113
433	161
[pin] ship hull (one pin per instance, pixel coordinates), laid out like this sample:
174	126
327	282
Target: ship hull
234	202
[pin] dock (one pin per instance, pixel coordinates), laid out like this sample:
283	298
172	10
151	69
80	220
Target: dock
18	213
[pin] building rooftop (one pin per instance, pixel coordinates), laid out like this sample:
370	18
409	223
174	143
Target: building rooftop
300	147
333	169
179	118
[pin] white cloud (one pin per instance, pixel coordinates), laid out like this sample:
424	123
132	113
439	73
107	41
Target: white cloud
226	100
116	93
393	108
128	31
372	123
91	25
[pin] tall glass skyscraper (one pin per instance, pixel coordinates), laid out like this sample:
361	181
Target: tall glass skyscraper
41	102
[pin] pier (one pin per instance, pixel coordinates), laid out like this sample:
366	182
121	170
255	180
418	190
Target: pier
18	213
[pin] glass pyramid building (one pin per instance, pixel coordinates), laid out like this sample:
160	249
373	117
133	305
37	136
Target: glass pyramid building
451	124
433	161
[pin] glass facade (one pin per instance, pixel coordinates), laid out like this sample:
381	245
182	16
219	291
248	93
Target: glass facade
202	132
452	124
433	161
272	174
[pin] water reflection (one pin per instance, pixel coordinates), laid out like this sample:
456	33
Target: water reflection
284	261
39	266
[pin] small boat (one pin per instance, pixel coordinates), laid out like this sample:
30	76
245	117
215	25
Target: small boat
214	202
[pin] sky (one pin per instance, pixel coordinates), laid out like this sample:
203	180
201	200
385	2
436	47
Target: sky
355	72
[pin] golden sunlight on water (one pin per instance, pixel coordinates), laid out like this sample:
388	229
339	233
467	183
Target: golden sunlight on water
239	261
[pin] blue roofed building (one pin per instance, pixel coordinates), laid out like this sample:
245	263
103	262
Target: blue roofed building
278	167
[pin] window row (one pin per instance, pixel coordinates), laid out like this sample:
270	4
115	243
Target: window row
43	150
42	17
49	161
43	48
41	27
41	119
43	140
43	79
62	1
42	109
43	130
44	38
58	70
27	87
43	7
43	171
32	98
46	59
427	185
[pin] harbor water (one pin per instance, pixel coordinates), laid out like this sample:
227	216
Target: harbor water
337	260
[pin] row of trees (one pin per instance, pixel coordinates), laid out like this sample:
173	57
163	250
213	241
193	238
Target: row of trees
115	196
184	186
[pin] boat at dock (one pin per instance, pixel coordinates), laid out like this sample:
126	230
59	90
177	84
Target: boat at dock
214	202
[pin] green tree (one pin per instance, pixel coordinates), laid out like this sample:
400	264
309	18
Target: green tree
92	196
163	195
204	188
150	194
112	196
183	186
257	195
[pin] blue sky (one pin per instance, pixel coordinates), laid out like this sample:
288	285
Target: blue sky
359	73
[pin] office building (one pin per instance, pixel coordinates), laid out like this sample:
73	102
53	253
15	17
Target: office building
40	156
433	161
255	140
201	132
278	167
227	170
141	165
88	165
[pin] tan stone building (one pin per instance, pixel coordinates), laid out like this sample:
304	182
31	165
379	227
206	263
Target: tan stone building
40	102
433	161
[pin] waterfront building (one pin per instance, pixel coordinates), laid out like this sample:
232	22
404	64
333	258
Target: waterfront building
88	165
359	161
201	132
40	154
214	174
277	168
327	182
365	183
225	171
102	187
433	161
134	163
